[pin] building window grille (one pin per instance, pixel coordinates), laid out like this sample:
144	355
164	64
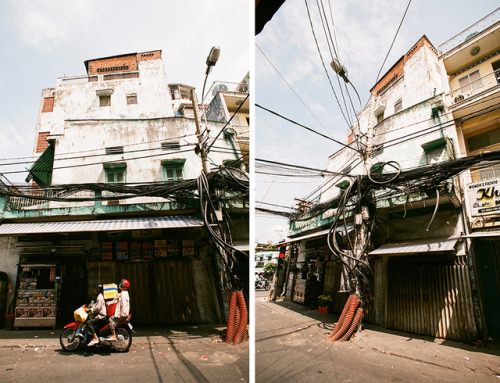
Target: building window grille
105	100
171	145
377	150
380	118
470	82
484	140
398	106
114	150
346	170
131	99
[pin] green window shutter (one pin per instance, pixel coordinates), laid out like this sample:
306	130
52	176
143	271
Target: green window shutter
173	170
41	170
116	172
440	143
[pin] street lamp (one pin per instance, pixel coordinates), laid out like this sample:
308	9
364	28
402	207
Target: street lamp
212	58
342	72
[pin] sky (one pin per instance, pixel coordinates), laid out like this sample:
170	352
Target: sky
41	41
364	31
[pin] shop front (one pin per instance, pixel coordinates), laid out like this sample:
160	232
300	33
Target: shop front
169	262
424	288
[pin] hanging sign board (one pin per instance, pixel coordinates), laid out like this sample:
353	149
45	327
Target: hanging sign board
484	197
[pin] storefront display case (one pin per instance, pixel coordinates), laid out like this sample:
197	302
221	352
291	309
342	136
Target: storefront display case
37	293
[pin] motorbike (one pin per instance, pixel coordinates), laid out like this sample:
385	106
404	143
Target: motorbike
264	284
76	333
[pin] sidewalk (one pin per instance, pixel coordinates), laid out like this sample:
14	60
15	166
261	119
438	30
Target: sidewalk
378	345
42	337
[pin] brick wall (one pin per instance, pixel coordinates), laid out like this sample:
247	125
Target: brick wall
42	142
48	104
113	64
153	55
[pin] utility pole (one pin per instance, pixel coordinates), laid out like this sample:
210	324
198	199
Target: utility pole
200	148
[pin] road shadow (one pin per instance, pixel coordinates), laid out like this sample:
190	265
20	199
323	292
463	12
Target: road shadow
328	321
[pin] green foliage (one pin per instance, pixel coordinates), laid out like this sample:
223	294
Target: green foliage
269	270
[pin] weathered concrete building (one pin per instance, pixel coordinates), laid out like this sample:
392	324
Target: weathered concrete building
472	62
230	103
420	270
120	124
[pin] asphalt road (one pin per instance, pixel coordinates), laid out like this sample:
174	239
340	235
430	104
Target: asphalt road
292	347
166	357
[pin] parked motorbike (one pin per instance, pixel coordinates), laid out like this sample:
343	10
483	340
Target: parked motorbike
264	284
77	332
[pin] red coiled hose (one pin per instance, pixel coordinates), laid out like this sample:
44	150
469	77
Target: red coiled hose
353	305
342	317
353	326
242	329
231	330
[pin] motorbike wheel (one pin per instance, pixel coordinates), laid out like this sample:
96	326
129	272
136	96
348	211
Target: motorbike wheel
268	287
69	340
123	340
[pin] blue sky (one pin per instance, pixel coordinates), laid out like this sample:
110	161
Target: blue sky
43	40
364	31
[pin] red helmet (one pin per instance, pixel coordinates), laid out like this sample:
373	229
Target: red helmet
124	284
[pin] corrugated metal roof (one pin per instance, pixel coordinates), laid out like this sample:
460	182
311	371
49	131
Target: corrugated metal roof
482	234
340	229
242	246
424	245
169	222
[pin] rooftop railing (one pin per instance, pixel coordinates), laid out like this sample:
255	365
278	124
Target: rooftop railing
470	32
96	78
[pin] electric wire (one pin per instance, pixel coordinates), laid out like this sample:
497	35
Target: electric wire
393	40
324	67
305	127
295	93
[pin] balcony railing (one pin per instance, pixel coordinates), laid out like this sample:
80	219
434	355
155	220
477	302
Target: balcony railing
470	32
15	203
475	87
222	86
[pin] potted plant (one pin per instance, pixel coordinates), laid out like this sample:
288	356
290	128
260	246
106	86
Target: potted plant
324	301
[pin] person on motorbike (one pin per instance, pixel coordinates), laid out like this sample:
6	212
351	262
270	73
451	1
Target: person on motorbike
122	308
100	319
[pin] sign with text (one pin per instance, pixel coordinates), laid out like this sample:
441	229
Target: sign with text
484	197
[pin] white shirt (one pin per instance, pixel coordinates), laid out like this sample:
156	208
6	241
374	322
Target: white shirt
100	307
123	305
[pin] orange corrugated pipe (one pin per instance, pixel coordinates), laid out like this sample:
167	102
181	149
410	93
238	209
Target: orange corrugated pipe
231	317
348	319
353	326
342	317
242	329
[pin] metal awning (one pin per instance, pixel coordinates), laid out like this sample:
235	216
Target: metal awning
340	229
245	247
168	222
482	234
424	245
41	170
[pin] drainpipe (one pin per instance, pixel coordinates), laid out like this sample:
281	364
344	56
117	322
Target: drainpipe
435	113
229	136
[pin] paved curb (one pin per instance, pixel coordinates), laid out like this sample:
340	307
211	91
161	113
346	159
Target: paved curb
441	353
